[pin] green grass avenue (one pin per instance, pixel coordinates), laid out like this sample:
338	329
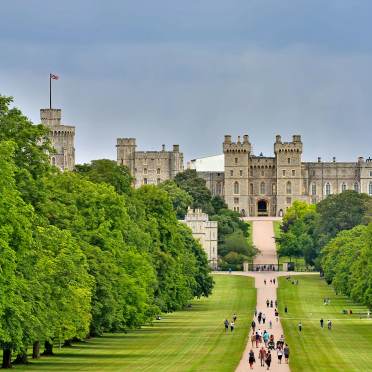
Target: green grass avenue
192	340
347	347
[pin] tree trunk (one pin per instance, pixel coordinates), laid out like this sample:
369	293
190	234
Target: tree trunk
21	358
36	350
7	358
48	348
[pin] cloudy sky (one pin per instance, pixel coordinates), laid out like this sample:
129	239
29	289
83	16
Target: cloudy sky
188	72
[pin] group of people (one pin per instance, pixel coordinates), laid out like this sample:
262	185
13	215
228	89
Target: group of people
265	268
230	324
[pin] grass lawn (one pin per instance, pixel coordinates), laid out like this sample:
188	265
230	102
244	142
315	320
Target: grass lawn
346	348
190	340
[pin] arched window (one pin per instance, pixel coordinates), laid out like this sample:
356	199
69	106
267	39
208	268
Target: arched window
158	171
343	187
313	189
356	186
262	188
251	188
53	160
370	188
328	189
289	187
236	187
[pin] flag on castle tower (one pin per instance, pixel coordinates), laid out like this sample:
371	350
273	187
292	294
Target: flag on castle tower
54	77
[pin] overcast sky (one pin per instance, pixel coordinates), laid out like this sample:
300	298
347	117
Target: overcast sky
188	72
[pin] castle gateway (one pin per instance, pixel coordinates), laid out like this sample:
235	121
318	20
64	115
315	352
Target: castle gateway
267	186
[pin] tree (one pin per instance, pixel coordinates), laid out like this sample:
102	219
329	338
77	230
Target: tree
181	200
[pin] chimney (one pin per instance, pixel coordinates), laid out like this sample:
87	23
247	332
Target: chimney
176	148
227	138
278	139
296	138
334	159
238	139
319	159
246	138
162	147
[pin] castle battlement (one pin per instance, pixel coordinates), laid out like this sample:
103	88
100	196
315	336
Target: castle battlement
238	146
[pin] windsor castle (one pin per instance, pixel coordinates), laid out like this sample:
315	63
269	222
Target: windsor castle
253	185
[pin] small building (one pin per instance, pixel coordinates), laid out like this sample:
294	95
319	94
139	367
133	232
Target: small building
205	231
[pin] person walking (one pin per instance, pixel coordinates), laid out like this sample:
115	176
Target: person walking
234	317
259	317
286	353
329	325
263	318
300	326
270	324
253	324
265	337
286	309
262	356
232	326
274	281
268	359
253	338
267	303
265	281
279	352
321	323
271	303
257	339
226	323
276	314
251	359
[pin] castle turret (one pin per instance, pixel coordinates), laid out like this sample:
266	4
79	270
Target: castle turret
126	153
236	156
289	174
62	138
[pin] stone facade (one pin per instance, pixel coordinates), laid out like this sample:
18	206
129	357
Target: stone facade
205	231
62	138
149	167
267	186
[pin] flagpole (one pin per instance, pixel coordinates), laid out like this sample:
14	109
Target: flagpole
50	91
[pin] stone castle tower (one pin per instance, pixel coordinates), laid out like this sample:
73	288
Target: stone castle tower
62	138
149	167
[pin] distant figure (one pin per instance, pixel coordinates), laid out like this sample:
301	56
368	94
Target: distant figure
276	303
255	312
253	324
251	359
268	359
263	318
276	314
329	325
286	309
234	317
232	326
271	303
253	338
226	323
270	324
267	303
321	323
286	353
300	326
259	317
262	356
265	281
229	270
280	355
274	280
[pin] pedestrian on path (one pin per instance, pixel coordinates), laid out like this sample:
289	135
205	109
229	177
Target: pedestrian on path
255	313
232	326
262	356
263	318
234	317
280	355
253	338
276	315
270	324
265	337
286	309
267	303
251	359
253	324
268	359
265	281
226	323
329	325
271	303
321	323
276	303
274	281
300	326
257	339
286	353
259	317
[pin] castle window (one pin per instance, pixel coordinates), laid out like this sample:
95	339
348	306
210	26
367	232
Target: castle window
53	160
370	189
236	160
236	200
370	173
356	186
343	187
293	172
251	173
313	189
158	181
283	172
236	187
145	181
289	200
241	173
328	189
289	160
145	170
289	187
251	188
231	173
262	188
158	171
